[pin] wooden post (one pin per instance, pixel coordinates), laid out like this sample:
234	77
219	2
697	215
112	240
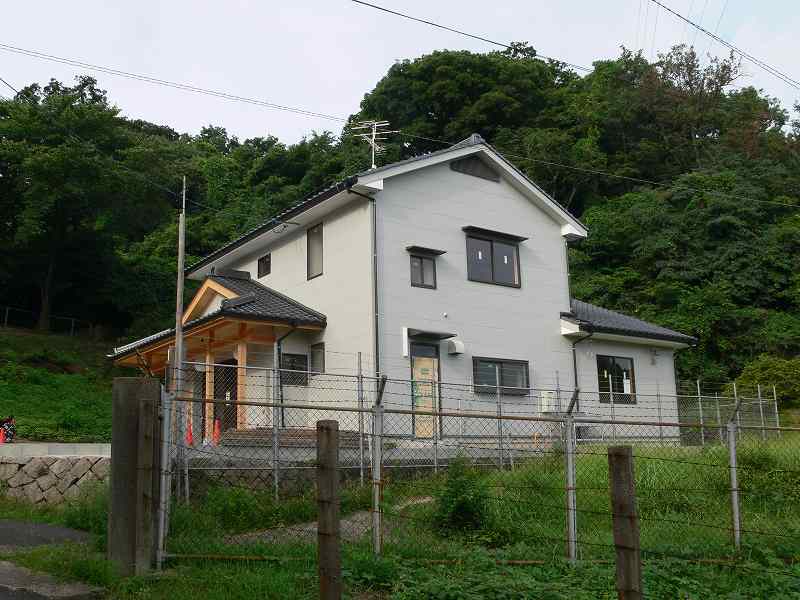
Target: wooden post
328	544
625	523
135	438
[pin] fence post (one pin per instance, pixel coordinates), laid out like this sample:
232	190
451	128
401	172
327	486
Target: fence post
737	526
360	421
569	456
613	412
700	409
737	403
165	484
5	318
625	522
276	382
660	416
436	409
329	557
777	415
761	413
719	419
133	517
499	398
377	462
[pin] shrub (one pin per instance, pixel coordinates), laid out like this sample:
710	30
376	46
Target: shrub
238	508
461	503
767	370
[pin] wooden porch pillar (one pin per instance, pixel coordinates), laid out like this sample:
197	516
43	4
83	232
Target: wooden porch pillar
241	384
209	424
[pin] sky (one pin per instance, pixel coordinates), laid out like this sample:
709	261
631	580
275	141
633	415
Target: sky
323	56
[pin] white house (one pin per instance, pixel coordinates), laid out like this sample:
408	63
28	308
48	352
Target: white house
447	268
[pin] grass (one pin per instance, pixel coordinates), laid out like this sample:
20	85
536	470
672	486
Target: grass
57	387
514	515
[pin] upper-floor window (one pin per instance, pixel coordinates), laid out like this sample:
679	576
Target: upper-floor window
616	380
314	251
492	257
264	265
318	357
513	376
423	271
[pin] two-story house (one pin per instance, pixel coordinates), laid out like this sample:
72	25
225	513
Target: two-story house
447	267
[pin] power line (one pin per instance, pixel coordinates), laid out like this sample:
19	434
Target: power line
614	175
770	69
167	83
464	33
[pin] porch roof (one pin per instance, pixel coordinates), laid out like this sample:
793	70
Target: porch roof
250	301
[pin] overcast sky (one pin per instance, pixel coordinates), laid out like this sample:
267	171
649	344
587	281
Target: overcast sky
324	55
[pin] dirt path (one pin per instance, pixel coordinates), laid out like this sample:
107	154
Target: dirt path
353	527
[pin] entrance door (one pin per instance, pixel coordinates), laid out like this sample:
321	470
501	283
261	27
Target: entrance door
424	386
225	389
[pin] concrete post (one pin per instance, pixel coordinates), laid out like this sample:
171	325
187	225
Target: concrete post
135	475
377	462
734	480
569	456
360	386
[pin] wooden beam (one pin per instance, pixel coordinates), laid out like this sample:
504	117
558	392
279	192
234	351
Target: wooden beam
203	297
241	385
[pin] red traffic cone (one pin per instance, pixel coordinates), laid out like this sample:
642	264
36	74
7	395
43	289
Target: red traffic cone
2	436
216	433
189	435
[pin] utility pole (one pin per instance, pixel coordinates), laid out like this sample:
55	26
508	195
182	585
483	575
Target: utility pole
178	362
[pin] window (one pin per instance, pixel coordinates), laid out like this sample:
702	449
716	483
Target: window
264	265
294	362
314	250
513	376
423	272
492	261
615	376
318	358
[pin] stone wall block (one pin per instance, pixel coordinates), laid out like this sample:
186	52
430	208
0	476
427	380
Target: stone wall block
8	470
36	467
102	468
20	479
53	496
47	481
61	466
33	493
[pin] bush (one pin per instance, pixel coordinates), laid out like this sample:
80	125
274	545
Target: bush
461	503
240	509
767	370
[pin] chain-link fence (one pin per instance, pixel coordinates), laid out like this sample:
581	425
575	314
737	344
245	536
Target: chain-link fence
439	466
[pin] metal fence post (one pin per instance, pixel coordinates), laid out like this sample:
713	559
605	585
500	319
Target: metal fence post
360	421
613	412
761	413
719	420
700	409
499	398
737	533
660	419
377	462
164	489
777	415
276	382
569	456
436	409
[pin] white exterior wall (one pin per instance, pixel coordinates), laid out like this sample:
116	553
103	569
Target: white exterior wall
343	293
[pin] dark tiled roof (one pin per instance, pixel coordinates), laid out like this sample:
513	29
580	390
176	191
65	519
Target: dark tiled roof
254	302
608	321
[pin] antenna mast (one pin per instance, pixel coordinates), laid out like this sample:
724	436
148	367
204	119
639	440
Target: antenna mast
374	134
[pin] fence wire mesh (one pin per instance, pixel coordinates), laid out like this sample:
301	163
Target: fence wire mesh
445	467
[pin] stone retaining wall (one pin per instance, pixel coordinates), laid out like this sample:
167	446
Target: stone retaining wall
51	479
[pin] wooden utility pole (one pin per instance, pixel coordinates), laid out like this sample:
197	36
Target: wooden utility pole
625	520
328	543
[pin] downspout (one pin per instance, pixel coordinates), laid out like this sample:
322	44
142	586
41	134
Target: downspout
574	401
374	251
276	363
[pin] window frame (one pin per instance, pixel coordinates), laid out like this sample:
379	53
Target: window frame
268	257
480	388
422	257
309	276
318	347
492	241
604	397
302	377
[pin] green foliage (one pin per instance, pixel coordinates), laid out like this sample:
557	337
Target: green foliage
784	373
461	502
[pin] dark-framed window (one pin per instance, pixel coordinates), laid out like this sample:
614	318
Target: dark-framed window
317	358
615	375
314	251
423	271
294	362
264	265
514	378
492	261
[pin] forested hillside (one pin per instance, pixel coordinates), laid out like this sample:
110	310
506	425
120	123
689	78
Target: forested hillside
688	182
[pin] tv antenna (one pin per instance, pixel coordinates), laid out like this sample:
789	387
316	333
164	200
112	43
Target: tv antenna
374	134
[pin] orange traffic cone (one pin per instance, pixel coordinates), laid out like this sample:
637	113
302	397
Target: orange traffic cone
216	433
189	435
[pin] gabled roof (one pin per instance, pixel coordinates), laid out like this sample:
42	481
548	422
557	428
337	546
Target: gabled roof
598	319
474	142
253	301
